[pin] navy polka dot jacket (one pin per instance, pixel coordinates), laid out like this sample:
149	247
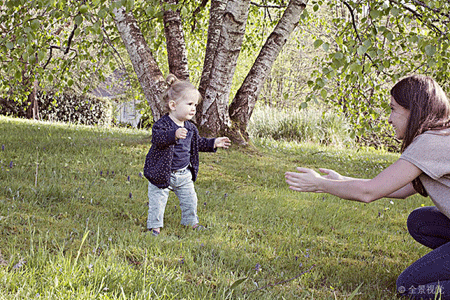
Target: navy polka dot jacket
159	158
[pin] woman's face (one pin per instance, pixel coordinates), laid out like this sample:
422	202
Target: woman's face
398	119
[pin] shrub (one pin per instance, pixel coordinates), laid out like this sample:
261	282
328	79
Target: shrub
307	125
66	107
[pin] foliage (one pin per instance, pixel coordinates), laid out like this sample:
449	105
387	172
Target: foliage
309	125
66	107
73	209
55	43
369	46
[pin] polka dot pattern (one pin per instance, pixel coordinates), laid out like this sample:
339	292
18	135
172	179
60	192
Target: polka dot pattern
159	158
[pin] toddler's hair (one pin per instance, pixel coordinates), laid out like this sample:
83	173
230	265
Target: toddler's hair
177	89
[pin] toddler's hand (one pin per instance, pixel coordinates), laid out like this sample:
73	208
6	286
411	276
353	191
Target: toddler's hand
181	133
222	142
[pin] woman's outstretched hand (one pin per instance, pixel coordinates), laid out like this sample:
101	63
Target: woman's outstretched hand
306	180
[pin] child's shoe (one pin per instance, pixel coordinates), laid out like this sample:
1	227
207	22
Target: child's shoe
154	232
198	227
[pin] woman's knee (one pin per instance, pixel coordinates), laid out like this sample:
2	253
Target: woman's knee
418	217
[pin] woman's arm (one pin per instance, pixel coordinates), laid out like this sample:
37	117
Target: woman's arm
393	181
402	193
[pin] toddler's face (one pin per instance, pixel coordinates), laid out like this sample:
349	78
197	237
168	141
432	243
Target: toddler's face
186	107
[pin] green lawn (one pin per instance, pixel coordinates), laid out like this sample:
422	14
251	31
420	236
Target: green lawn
73	208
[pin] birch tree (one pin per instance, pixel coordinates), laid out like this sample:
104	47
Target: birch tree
226	31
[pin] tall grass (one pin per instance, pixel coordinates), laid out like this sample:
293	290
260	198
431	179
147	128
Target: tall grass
306	125
73	207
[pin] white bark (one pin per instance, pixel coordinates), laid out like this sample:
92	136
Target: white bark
214	118
148	73
242	105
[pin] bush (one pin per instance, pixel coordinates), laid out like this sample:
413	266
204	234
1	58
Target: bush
65	107
307	125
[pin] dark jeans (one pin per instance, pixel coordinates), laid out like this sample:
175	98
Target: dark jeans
431	273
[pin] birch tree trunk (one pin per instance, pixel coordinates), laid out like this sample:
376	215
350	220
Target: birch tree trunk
148	73
212	117
176	46
215	24
243	103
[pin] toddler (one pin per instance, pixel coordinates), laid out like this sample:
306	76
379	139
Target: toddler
173	160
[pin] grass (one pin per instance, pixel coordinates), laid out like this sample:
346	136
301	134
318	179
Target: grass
73	209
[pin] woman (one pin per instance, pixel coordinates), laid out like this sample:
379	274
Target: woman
420	115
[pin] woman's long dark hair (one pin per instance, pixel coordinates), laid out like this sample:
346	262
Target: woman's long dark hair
429	110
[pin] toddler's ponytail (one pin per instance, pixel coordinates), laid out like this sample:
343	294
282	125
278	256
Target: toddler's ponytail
171	79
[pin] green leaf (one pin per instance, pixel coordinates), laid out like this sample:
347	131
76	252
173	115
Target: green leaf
326	46
318	43
323	93
338	55
395	11
41	55
78	19
238	282
361	50
389	36
83	9
70	82
430	50
18	75
375	14
9	45
354	67
35	24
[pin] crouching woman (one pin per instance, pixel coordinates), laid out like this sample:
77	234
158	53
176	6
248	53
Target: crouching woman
420	115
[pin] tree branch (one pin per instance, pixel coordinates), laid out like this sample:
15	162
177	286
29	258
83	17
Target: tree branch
196	11
353	20
419	16
69	42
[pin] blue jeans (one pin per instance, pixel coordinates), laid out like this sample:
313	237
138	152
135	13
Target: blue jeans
183	186
431	273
